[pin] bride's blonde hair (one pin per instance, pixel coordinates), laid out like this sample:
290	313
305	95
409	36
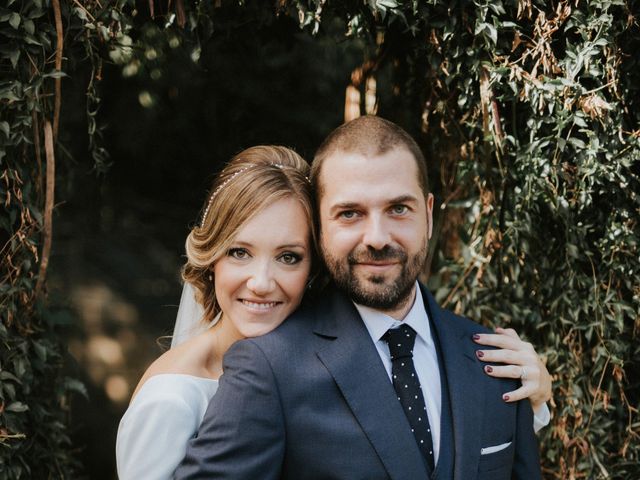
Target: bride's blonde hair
253	179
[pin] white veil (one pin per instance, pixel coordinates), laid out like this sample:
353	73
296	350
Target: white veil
188	321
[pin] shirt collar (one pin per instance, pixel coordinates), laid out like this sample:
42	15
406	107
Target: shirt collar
378	323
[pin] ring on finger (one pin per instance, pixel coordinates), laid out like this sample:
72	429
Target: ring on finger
523	374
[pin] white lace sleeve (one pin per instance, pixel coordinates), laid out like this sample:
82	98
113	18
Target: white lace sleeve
153	433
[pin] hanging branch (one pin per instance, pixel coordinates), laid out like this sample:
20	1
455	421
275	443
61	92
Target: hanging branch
181	17
36	144
58	79
48	206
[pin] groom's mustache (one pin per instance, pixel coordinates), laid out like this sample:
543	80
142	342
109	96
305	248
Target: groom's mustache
368	254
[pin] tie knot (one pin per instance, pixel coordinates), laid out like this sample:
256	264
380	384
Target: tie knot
400	341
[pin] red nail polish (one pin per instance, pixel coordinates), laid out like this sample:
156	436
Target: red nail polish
480	353
476	336
505	398
488	369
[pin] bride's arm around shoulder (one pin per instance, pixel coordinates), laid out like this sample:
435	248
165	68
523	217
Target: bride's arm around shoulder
163	415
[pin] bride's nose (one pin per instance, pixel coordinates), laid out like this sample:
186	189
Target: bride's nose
261	280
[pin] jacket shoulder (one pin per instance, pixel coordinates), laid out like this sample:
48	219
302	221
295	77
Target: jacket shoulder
459	322
465	323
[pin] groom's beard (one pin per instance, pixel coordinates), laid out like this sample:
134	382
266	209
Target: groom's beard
371	290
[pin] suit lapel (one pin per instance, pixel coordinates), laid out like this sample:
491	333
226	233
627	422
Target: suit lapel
466	387
353	361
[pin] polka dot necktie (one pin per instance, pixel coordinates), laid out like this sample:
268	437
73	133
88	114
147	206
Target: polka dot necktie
407	385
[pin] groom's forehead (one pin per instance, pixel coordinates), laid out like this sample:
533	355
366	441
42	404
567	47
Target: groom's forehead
342	165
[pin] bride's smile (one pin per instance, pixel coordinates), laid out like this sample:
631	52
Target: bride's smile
259	305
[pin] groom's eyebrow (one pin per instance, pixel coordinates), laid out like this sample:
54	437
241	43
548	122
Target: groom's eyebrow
355	205
403	199
343	206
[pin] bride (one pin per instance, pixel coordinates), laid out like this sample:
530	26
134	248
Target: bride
248	267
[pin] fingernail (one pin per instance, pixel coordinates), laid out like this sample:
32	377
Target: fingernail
476	336
505	398
480	353
488	369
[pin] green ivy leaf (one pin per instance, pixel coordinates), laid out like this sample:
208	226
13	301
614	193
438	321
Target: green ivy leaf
29	26
73	385
383	4
4	128
5	375
41	351
14	20
14	56
17	407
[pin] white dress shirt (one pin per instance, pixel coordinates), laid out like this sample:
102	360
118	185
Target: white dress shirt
425	356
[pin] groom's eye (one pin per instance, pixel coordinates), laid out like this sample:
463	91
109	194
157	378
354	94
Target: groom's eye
348	214
399	209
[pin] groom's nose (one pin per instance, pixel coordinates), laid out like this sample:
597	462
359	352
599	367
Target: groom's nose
376	232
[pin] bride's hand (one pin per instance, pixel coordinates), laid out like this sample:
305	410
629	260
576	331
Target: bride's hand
521	361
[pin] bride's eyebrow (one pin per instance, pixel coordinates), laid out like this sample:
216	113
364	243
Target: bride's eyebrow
242	243
292	245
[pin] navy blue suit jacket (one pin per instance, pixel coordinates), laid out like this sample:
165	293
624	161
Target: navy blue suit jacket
312	400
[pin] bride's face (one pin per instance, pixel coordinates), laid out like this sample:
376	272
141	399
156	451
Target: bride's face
262	277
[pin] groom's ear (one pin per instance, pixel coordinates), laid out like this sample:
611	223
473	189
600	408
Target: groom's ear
429	201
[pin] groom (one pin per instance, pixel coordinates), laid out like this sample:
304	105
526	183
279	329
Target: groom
373	380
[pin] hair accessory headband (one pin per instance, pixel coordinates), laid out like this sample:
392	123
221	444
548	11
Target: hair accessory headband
231	177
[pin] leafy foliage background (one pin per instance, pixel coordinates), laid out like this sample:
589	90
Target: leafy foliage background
528	112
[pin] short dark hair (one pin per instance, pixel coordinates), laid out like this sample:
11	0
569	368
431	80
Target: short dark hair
368	135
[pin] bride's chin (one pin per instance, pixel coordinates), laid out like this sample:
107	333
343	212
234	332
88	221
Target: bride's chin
251	331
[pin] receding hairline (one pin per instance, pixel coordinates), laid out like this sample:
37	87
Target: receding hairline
369	136
368	153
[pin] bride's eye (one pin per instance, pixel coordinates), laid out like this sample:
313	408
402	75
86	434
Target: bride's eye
238	253
290	258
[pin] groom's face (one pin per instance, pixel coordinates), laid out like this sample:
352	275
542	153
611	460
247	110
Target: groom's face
375	225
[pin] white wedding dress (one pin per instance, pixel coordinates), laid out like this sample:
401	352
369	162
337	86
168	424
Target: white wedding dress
163	416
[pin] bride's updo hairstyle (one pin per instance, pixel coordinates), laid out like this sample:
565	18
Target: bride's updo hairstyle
253	179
